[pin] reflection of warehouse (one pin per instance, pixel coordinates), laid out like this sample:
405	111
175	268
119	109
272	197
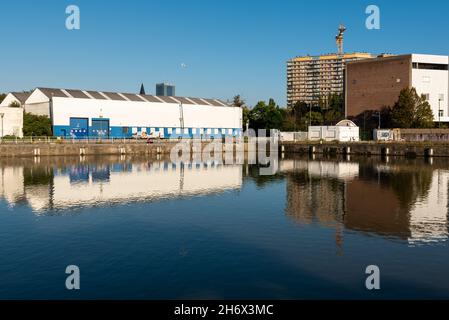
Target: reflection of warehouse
79	114
393	202
85	184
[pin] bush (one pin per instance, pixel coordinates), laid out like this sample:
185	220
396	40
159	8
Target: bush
36	126
15	104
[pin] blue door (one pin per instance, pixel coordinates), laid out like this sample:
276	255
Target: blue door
100	128
79	128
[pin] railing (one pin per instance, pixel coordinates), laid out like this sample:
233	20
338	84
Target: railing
59	140
55	140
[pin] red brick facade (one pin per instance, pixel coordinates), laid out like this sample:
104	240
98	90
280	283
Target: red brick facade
376	83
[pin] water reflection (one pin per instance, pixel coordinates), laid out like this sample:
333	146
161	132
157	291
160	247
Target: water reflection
405	200
48	188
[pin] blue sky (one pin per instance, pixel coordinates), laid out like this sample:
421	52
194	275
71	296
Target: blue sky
228	46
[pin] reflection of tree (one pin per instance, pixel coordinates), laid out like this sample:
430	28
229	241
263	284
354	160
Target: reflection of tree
262	180
409	183
36	176
409	186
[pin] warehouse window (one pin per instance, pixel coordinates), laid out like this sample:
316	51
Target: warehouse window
430	66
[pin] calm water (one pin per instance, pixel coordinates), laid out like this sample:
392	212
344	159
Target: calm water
146	229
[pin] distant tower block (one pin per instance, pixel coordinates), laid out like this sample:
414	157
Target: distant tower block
339	39
165	89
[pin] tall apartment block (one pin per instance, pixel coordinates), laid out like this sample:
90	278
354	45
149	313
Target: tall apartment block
311	78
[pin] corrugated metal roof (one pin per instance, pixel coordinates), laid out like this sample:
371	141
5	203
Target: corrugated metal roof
183	100
96	95
113	96
214	102
50	92
167	99
132	97
21	96
77	94
198	101
150	98
53	92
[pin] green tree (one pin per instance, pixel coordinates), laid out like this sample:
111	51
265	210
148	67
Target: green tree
411	111
316	118
238	102
266	116
297	117
2	97
34	125
15	104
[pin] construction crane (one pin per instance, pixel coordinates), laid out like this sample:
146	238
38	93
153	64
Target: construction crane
339	39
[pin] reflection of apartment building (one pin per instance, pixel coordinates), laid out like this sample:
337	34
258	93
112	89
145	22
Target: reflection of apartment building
316	189
310	79
311	201
87	185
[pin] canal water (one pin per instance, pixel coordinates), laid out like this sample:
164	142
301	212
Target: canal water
149	229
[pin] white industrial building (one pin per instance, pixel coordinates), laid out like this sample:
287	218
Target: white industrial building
81	114
11	122
344	131
11	114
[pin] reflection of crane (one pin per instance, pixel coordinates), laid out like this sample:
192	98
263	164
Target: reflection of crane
339	39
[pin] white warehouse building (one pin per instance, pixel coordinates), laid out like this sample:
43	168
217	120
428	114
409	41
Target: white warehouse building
11	114
82	114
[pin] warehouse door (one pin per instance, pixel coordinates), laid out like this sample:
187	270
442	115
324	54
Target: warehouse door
79	127
100	128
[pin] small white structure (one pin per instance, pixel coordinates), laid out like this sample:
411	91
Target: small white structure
293	136
11	122
383	135
344	131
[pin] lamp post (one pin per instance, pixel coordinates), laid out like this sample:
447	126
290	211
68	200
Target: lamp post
378	115
440	98
2	115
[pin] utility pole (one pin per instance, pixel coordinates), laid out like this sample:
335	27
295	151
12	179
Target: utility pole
181	116
310	115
